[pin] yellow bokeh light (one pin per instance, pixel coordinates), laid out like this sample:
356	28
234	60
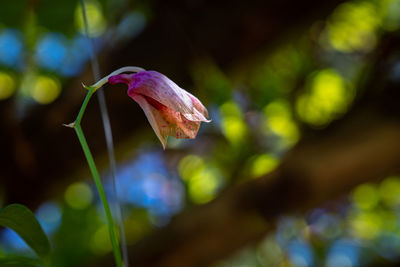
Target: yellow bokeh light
366	196
95	17
233	126
45	89
390	191
190	165
231	109
7	85
234	129
100	242
78	196
203	186
262	164
352	27
279	120
270	253
366	225
329	97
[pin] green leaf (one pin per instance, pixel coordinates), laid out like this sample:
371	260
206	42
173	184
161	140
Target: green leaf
19	261
20	219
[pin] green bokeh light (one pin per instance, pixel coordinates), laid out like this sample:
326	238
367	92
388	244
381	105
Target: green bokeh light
100	242
190	165
353	27
279	120
366	196
78	196
96	20
366	225
390	191
262	164
203	186
233	126
329	97
7	85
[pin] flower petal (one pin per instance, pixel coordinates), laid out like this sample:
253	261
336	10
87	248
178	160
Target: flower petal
121	78
200	111
160	88
153	116
166	121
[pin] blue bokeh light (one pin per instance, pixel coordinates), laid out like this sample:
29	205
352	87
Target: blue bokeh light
67	57
77	55
12	241
146	183
343	253
11	48
51	51
49	216
300	254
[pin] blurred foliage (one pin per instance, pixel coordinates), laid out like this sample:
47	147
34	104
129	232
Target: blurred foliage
258	114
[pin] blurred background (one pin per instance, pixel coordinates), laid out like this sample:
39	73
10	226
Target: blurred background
299	166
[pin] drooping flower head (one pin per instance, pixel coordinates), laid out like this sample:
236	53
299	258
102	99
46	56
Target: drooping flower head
171	110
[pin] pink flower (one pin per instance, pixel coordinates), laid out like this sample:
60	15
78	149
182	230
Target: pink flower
170	109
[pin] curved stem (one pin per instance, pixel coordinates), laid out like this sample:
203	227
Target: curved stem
83	107
109	138
96	177
104	80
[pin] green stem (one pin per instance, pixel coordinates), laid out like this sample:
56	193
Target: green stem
96	177
84	105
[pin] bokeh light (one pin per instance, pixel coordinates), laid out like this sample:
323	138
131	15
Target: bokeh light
353	27
78	196
45	89
145	182
203	186
366	196
269	253
189	165
49	216
7	85
96	21
389	191
365	225
100	242
11	48
280	121
233	125
343	253
11	241
329	97
262	164
300	254
51	51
